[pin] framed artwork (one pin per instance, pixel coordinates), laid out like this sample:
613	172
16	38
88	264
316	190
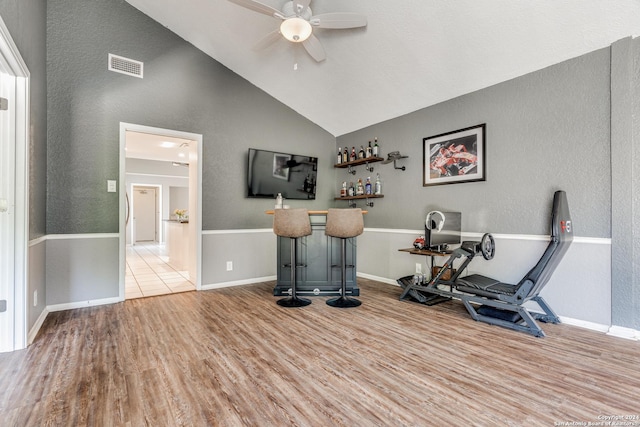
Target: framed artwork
280	168
455	157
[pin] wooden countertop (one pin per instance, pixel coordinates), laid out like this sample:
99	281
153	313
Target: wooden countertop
270	212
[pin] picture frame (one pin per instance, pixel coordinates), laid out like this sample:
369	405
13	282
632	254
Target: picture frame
280	168
455	157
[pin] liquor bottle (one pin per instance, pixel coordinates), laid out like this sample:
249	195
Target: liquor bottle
353	154
343	190
367	186
352	189
361	152
359	188
345	155
378	186
369	151
375	148
339	155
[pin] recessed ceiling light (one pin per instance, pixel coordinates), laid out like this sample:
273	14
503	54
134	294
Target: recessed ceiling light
168	144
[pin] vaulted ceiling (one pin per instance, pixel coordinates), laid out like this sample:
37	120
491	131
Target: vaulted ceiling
412	54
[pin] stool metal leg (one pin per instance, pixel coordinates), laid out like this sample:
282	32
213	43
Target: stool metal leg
343	301
293	300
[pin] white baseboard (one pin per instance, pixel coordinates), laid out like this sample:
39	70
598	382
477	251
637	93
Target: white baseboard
622	332
614	330
83	304
36	326
237	283
377	278
584	324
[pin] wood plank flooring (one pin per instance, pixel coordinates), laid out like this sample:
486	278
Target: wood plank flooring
232	357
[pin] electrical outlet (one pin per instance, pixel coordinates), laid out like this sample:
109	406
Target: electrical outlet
35	298
418	268
229	265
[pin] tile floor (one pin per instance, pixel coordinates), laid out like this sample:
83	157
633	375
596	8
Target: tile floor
149	274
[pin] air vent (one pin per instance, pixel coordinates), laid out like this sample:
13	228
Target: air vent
126	66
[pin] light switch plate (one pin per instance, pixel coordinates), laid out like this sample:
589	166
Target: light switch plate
111	185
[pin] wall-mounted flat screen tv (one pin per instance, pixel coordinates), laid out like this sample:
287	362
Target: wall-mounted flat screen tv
271	172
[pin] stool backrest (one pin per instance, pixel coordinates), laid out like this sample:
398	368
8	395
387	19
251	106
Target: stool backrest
344	223
291	222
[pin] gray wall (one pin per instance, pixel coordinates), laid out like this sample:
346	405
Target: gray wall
572	126
625	158
26	21
183	89
547	130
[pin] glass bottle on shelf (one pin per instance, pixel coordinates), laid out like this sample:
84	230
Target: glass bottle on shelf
361	152
369	150
339	155
376	149
343	190
367	186
378	185
345	155
360	188
352	189
353	154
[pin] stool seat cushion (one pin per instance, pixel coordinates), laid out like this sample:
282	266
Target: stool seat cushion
344	223
291	222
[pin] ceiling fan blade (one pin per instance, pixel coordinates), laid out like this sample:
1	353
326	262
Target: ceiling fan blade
300	6
314	48
339	20
268	40
259	7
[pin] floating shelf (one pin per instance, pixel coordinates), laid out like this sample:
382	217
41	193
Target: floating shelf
364	196
358	162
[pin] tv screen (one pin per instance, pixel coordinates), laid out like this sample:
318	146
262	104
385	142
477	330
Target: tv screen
271	172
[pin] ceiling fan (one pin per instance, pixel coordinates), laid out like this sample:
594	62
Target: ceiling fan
298	22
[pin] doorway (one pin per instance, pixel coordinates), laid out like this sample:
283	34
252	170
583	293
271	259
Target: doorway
149	151
14	189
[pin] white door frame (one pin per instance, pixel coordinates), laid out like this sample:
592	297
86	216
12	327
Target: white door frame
14	337
194	172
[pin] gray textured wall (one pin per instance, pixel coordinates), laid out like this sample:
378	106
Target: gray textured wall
183	89
547	130
625	158
81	270
26	21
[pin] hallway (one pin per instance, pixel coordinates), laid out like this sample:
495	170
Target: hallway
148	273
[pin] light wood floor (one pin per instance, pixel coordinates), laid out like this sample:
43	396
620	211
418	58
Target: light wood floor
232	357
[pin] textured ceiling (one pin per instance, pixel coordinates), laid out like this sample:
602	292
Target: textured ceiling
412	54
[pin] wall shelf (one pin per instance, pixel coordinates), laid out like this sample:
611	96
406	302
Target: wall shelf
350	165
352	199
358	162
364	196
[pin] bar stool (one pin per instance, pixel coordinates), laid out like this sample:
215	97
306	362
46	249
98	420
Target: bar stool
344	224
292	223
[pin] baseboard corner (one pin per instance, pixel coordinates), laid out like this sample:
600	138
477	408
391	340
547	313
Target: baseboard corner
33	332
622	332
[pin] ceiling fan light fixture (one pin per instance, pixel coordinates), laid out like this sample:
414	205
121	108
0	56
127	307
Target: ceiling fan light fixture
295	29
